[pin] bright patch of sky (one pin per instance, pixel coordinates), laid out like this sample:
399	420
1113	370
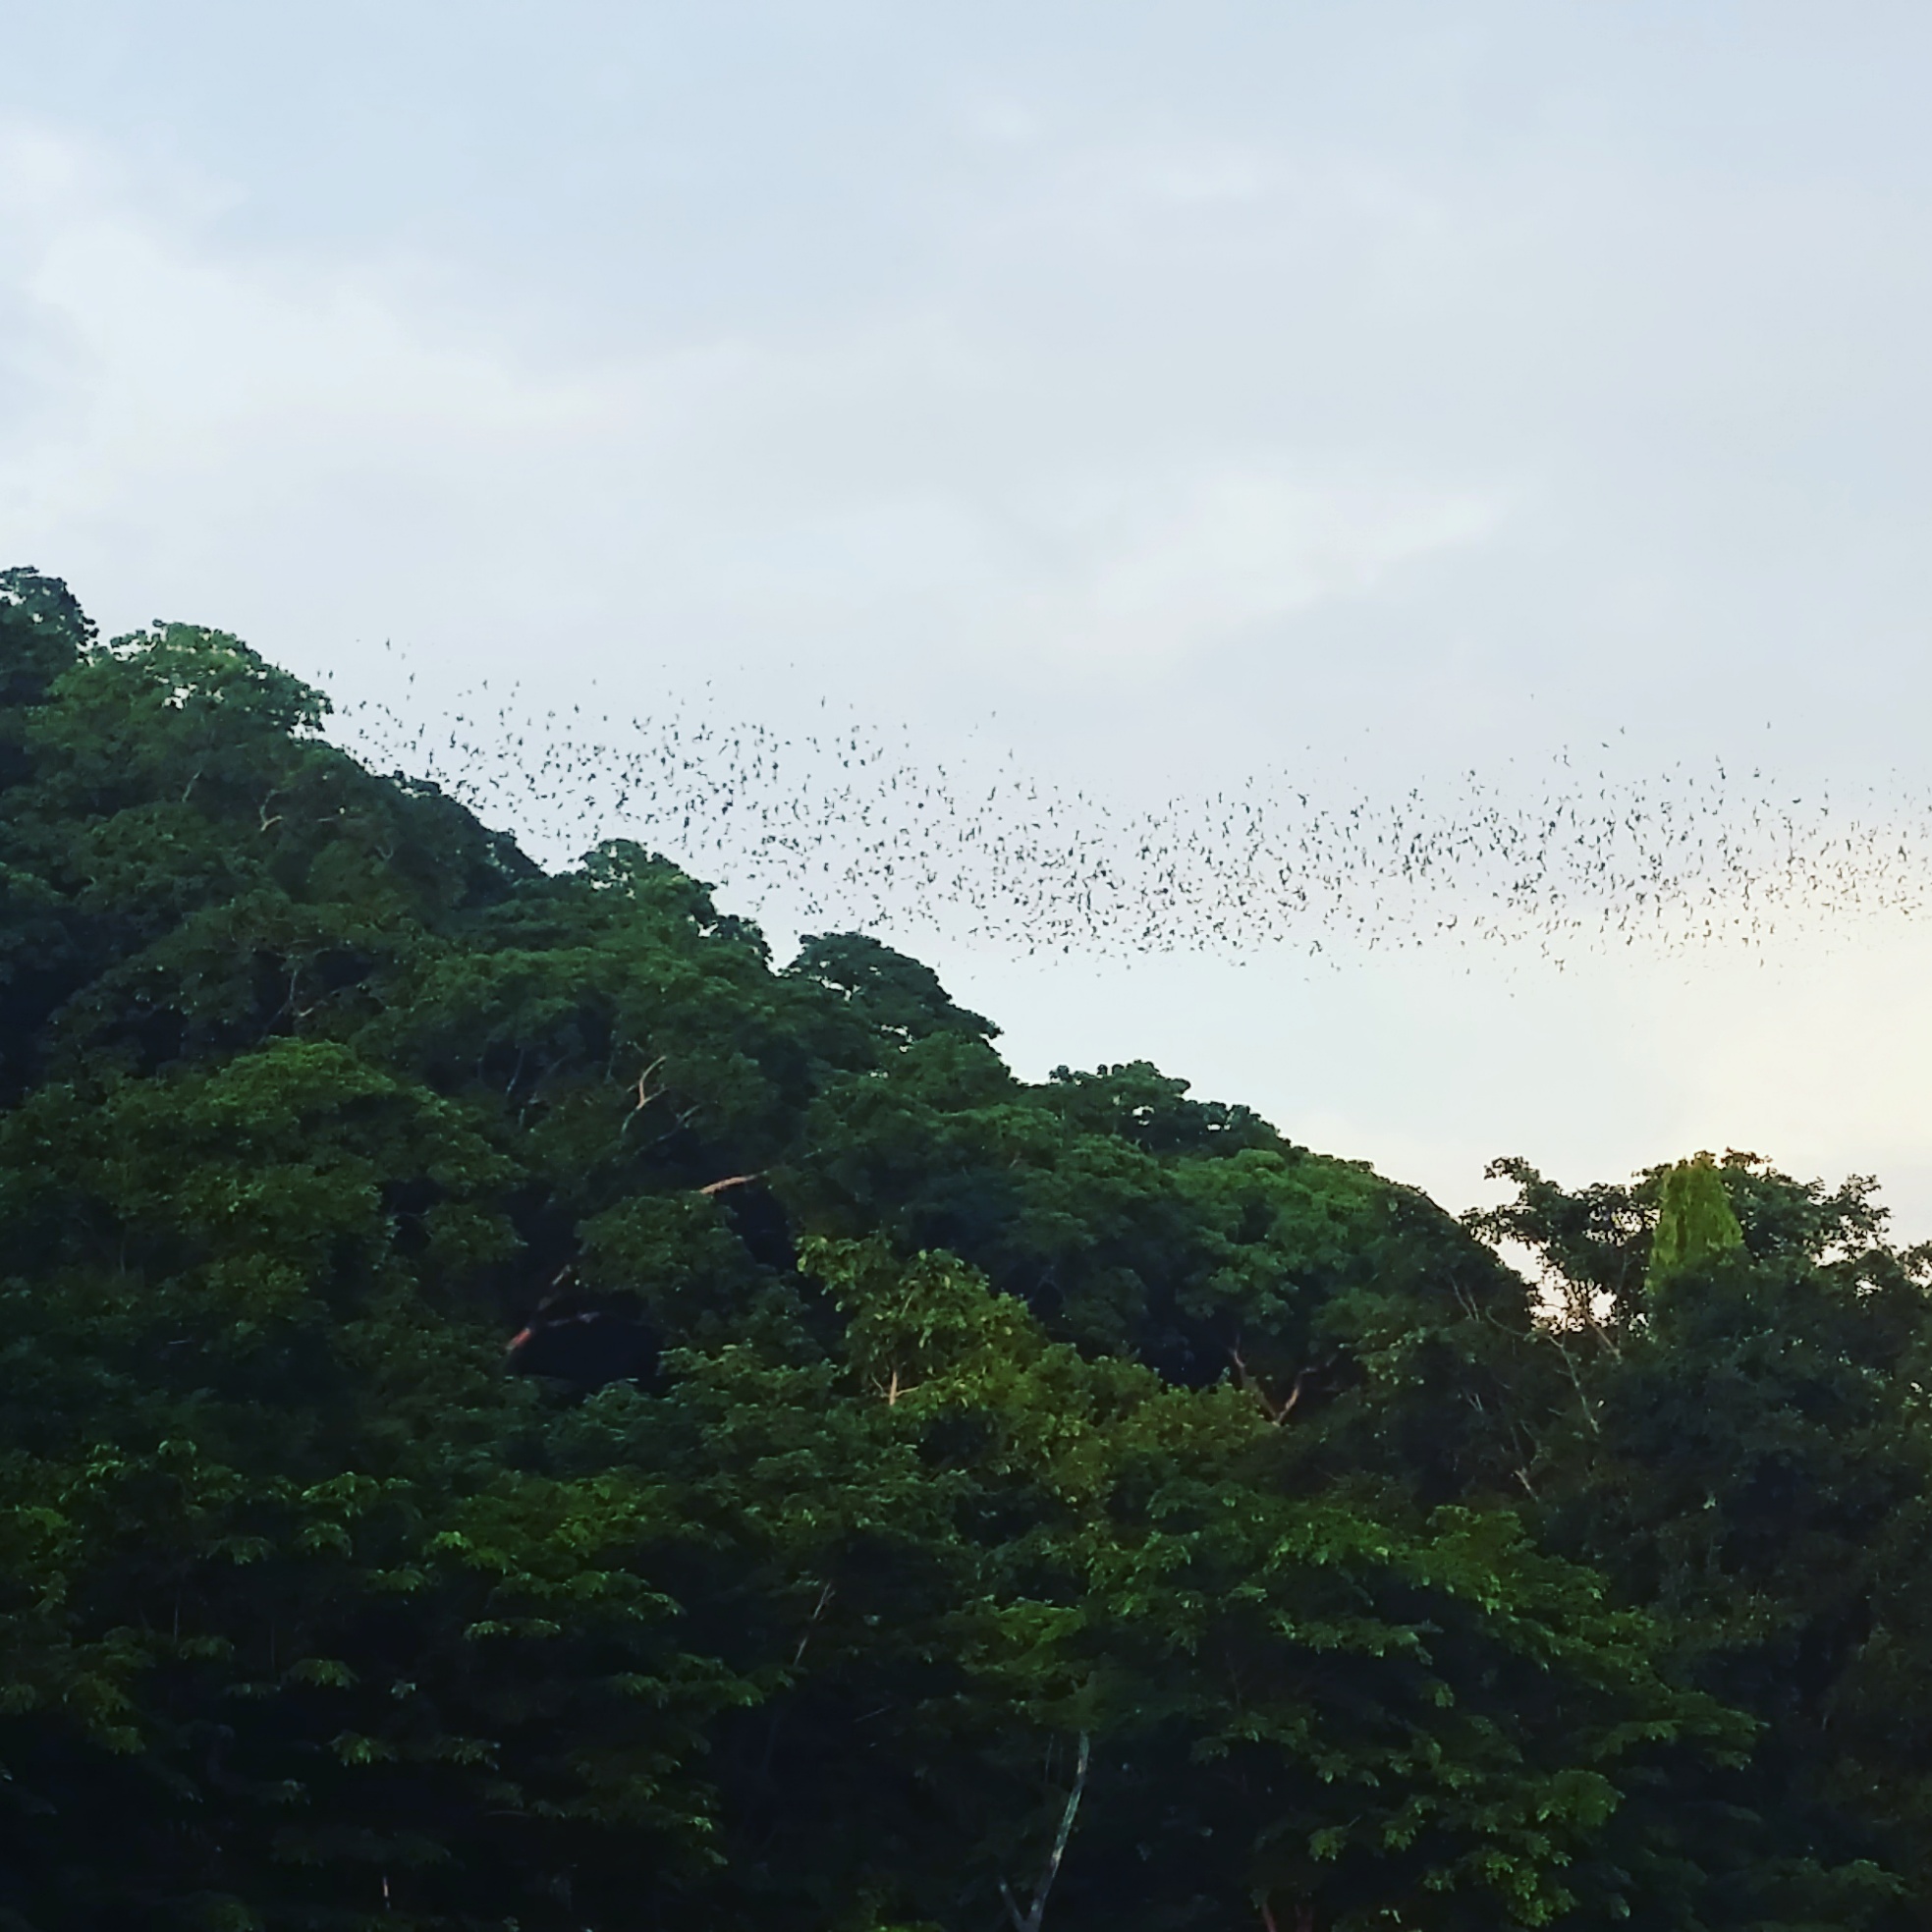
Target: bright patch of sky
1342	397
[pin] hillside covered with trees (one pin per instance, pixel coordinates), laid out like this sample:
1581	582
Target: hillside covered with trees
521	1412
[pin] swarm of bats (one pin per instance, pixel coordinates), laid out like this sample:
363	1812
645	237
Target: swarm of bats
842	829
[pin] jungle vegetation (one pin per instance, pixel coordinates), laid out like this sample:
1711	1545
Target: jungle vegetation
520	1411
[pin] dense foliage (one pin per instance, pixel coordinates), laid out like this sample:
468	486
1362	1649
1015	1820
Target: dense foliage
517	1413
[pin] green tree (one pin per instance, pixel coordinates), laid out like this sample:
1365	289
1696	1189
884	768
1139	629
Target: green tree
1741	1449
913	1467
1695	1222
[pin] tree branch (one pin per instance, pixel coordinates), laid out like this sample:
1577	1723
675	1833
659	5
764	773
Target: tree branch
1031	1921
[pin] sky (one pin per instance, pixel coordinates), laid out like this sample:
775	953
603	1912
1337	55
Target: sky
1150	400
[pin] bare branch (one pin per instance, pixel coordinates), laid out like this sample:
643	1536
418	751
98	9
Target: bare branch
1304	1918
1251	1384
1031	1921
729	1180
646	1093
825	1596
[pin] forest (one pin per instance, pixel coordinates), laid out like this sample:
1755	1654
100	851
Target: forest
522	1412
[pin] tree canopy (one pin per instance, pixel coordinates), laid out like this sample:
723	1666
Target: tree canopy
523	1413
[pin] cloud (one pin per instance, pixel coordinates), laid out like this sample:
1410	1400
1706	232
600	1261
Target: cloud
222	419
220	374
1169	565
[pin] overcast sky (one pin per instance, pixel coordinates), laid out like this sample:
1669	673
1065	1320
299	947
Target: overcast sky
1164	394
